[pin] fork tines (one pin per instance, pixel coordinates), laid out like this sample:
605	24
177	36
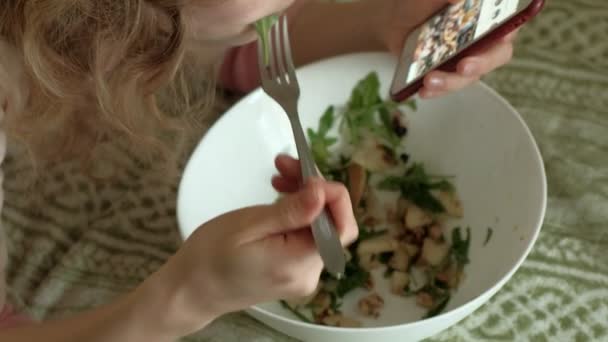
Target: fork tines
280	68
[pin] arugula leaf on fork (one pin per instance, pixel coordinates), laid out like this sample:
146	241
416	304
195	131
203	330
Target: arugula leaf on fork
320	142
263	27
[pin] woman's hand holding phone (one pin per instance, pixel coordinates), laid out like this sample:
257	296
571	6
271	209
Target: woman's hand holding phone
406	16
469	69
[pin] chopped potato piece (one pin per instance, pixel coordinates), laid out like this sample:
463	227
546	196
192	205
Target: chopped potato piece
357	182
375	209
396	210
424	299
321	302
369	283
370	221
450	203
399	281
338	320
436	232
416	217
434	252
368	261
400	260
371	305
395	230
451	276
412	250
372	156
377	245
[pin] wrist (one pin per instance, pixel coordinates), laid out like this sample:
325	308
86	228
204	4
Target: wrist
166	305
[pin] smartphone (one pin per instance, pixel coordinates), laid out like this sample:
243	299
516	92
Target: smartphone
455	32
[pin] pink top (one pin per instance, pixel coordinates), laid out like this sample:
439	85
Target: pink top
238	73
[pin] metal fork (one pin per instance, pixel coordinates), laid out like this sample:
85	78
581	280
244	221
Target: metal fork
280	83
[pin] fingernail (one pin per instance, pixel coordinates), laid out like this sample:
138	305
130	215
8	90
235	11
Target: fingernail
436	82
469	69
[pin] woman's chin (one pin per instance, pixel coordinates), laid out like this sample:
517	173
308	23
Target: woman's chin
247	36
243	38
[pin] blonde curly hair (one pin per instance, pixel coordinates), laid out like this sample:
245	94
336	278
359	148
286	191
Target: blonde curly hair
100	70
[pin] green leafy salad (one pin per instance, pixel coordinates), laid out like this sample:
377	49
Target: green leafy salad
263	27
401	208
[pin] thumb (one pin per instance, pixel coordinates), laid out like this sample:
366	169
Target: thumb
292	212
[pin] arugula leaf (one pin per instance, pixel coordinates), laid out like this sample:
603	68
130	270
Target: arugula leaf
387	134
320	142
424	199
488	236
366	112
440	296
296	312
443	185
390	183
460	246
354	277
385	117
416	185
412	104
366	93
439	307
263	27
327	121
335	303
361	112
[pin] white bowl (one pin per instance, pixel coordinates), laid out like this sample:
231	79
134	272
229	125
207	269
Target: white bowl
473	134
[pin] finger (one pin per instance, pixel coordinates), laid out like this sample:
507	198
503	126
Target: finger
297	255
469	70
288	167
301	242
340	207
285	185
510	37
487	61
301	245
289	213
429	94
441	82
298	243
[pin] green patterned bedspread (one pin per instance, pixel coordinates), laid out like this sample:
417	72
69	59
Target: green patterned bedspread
77	244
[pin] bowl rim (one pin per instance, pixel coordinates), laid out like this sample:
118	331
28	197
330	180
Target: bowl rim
453	312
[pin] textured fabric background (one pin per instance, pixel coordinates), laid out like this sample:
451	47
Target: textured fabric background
77	244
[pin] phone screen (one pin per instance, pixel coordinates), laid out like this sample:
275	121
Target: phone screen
453	29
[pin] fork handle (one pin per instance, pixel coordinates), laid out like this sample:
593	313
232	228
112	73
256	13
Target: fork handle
323	228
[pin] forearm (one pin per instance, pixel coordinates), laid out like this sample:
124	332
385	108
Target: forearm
326	29
151	313
113	322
